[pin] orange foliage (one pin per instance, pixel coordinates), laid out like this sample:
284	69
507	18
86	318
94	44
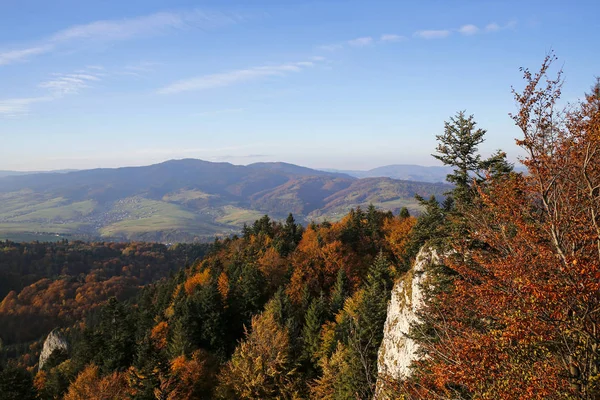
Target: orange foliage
90	386
199	279
223	285
159	335
397	234
273	267
523	318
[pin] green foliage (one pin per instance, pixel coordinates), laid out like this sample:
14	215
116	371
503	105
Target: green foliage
458	147
311	333
16	384
340	292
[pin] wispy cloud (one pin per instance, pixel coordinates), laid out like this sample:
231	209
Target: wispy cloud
234	77
13	56
64	84
361	41
60	85
122	29
471	29
432	34
468	30
391	38
331	47
19	106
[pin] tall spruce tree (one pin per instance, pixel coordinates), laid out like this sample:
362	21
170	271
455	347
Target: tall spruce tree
311	333
340	292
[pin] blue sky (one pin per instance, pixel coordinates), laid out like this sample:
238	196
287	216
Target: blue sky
336	84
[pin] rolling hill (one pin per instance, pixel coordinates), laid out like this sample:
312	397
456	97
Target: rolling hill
186	200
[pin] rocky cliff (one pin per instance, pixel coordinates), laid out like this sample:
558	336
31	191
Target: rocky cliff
55	341
397	350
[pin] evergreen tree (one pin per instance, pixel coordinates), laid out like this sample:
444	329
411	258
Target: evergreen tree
404	213
118	337
367	333
458	147
311	333
16	384
340	292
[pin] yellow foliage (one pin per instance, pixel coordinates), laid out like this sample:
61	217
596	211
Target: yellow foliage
90	386
159	335
199	279
397	231
223	285
260	367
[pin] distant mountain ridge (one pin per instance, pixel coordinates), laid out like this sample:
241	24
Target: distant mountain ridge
408	172
189	199
4	173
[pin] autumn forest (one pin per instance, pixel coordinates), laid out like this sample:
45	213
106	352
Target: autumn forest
284	310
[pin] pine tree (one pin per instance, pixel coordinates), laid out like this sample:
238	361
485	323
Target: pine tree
404	213
458	148
16	384
311	333
340	292
367	332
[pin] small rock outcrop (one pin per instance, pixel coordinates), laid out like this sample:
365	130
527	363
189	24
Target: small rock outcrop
398	351
55	341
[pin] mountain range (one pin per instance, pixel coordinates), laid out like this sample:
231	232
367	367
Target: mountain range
186	200
407	172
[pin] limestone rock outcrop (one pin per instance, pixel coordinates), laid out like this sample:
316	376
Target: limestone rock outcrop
55	341
398	351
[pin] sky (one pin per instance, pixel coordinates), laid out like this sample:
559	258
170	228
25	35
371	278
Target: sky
325	84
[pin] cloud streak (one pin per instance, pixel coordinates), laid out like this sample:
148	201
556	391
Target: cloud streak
391	38
468	30
361	41
65	84
122	29
230	78
432	34
59	86
20	106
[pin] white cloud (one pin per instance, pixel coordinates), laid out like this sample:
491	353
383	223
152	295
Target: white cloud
19	106
331	47
123	29
391	38
233	77
468	30
57	87
68	83
10	57
493	27
360	42
432	34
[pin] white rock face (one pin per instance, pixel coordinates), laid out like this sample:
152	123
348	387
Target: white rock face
397	351
54	341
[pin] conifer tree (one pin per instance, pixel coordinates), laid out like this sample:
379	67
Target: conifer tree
340	292
16	384
311	333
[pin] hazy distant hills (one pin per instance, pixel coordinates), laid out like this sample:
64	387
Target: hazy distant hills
18	173
407	172
182	200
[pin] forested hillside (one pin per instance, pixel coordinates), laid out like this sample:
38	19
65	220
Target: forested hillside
274	313
186	200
